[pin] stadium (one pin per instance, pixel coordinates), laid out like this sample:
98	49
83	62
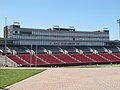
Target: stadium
55	56
59	45
56	47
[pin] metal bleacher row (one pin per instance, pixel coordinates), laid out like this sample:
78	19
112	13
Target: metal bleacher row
22	49
62	55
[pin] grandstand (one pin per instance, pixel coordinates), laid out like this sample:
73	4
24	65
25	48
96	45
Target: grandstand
57	47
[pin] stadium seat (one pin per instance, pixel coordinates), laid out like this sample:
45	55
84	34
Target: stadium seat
81	58
31	59
65	58
110	57
16	59
50	59
96	57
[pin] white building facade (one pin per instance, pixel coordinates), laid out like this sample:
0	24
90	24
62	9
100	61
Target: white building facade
56	36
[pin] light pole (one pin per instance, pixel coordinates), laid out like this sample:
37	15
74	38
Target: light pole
5	37
36	55
118	21
31	56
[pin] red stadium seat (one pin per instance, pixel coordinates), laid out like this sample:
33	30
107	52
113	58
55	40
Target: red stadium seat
33	61
110	57
50	59
81	58
65	58
16	59
96	57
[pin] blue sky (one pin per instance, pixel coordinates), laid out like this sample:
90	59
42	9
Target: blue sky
85	15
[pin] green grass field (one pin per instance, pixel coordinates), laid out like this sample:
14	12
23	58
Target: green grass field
11	76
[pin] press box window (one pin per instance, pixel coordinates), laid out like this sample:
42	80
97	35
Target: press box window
25	32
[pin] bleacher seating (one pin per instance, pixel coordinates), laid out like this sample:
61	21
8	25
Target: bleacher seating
69	49
16	59
35	48
81	58
19	49
59	58
65	58
96	57
113	48
84	49
50	59
117	54
52	48
110	57
99	49
31	59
